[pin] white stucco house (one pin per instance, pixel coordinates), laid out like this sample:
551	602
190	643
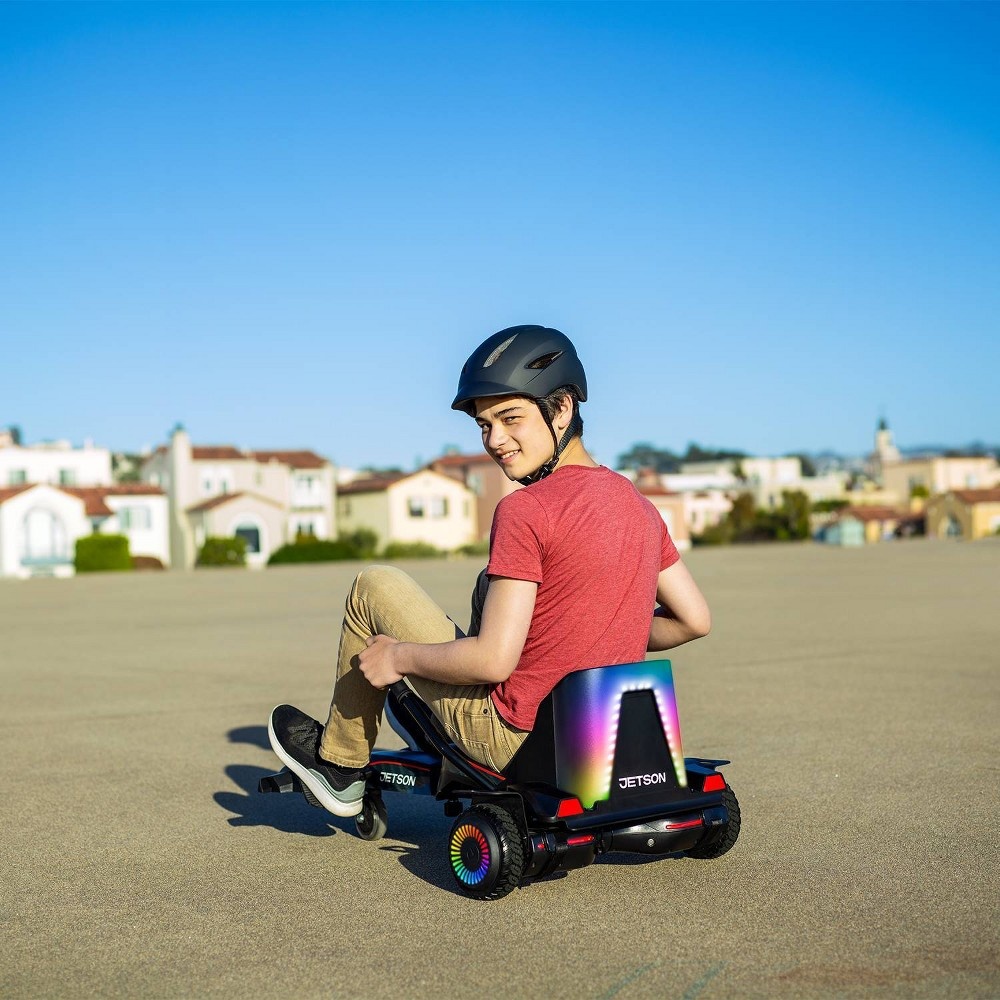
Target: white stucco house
40	524
259	521
424	506
265	497
57	463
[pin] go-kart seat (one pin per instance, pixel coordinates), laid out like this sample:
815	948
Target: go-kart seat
608	735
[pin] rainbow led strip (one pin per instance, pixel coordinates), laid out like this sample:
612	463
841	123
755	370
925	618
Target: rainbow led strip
468	875
587	705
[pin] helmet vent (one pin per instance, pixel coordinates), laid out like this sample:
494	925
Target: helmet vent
544	360
495	356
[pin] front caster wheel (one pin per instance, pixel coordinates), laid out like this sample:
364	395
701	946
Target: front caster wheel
486	852
371	823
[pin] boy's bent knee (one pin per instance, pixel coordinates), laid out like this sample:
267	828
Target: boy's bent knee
374	582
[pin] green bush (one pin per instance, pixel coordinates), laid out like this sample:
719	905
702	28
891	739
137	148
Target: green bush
223	552
363	542
715	534
360	544
829	506
308	550
411	550
100	553
481	548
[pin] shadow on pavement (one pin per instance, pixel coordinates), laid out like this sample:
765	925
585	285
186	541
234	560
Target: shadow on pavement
418	830
288	813
256	736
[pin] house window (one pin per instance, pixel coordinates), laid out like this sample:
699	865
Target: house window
17	477
135	519
428	507
251	535
67	477
475	483
44	537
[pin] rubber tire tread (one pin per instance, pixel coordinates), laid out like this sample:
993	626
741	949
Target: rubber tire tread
512	846
715	849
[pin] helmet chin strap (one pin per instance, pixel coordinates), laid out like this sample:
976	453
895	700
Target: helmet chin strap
558	448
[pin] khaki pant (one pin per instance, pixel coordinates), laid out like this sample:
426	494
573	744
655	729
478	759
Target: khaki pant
386	601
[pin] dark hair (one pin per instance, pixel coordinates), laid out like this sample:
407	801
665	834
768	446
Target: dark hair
549	405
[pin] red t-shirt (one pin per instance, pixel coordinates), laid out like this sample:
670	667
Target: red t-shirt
595	546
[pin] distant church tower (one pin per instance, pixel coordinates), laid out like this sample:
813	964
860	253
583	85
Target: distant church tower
885	453
885	448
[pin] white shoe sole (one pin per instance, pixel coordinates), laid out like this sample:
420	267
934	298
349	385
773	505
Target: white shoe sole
316	784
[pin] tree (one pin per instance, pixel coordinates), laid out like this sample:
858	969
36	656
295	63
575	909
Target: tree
745	523
794	513
695	453
644	455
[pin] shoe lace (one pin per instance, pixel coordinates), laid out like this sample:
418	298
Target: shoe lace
305	735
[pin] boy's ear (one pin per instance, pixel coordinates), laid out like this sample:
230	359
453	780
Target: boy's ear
565	412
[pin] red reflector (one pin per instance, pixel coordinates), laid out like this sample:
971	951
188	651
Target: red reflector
684	825
714	783
569	807
576	841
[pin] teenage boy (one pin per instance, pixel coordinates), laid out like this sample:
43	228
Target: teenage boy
578	561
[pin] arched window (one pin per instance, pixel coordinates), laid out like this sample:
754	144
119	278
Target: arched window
250	533
44	536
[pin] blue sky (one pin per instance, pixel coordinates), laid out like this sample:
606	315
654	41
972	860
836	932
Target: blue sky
288	225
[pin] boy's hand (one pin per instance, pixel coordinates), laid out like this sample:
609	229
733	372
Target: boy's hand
378	661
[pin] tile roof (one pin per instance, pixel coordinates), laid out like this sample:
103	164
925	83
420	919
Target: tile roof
373	484
93	497
7	492
222	498
452	460
216	453
297	459
93	500
978	496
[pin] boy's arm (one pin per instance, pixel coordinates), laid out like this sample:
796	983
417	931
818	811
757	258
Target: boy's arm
683	612
487	658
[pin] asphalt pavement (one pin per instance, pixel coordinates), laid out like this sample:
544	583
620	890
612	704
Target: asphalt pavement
855	690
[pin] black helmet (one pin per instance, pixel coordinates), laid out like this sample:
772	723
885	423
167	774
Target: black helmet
529	361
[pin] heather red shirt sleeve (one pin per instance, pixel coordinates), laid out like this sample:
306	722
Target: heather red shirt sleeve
668	551
517	538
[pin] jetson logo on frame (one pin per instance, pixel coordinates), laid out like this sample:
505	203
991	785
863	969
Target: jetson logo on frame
638	780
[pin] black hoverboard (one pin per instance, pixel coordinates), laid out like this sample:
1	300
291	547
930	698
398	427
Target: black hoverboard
602	770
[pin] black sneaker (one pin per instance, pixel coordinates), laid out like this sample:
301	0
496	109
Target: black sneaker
295	739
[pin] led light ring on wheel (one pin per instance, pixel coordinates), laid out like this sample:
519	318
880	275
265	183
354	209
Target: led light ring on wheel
472	855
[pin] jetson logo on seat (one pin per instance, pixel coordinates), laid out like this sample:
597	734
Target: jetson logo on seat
395	778
636	780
